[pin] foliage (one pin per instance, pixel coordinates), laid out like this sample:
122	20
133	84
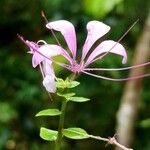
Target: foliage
100	8
73	133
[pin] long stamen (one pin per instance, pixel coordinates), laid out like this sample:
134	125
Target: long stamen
54	35
41	41
42	72
117	69
21	38
116	79
117	41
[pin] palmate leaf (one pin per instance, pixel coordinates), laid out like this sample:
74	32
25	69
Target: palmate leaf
48	112
48	135
78	99
75	133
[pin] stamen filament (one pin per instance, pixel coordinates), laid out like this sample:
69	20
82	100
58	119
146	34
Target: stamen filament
116	42
46	20
117	69
54	35
116	79
42	72
41	41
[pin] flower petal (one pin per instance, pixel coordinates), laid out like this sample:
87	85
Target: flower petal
48	68
95	30
108	46
49	83
32	45
36	59
68	31
48	50
49	79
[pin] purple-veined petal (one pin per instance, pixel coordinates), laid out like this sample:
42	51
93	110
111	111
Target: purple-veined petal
36	59
108	46
45	50
32	45
49	83
67	30
48	51
95	30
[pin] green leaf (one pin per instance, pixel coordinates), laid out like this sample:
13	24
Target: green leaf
60	83
48	135
78	99
75	133
66	84
66	95
71	84
48	112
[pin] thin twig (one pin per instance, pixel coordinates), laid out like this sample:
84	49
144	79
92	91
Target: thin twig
111	141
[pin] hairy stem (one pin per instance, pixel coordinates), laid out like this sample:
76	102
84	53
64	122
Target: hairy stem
61	125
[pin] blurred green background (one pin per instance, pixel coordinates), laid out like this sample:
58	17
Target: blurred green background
22	94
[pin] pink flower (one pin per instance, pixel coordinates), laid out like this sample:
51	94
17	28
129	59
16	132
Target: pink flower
43	52
41	56
95	30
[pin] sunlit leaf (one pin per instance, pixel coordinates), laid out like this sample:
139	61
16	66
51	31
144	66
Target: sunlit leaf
66	95
60	83
49	112
71	84
63	84
47	134
75	133
78	99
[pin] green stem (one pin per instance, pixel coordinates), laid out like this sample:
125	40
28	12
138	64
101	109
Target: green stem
61	125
